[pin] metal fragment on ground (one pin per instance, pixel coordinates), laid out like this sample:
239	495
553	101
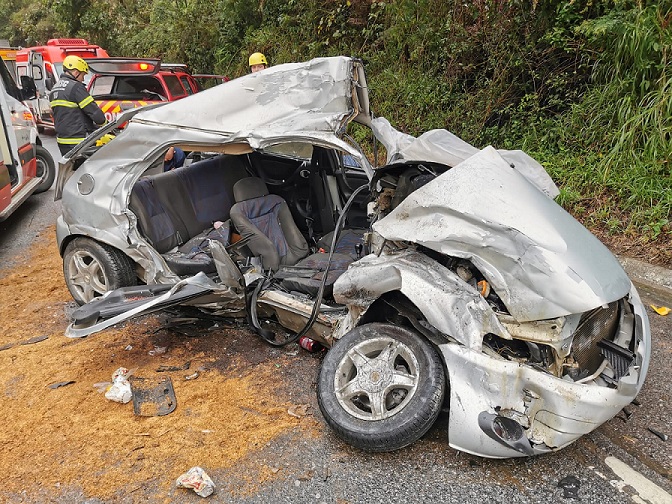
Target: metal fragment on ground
153	396
61	384
658	433
163	368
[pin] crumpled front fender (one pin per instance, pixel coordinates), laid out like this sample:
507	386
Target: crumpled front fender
449	304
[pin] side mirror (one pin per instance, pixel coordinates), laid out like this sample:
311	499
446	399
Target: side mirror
49	83
29	89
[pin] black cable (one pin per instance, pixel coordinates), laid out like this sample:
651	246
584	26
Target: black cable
320	292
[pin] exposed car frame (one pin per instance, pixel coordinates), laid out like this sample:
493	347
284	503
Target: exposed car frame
471	285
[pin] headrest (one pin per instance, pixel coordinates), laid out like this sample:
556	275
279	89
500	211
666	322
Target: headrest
249	188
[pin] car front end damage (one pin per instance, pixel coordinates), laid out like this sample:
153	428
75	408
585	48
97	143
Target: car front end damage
542	335
523	407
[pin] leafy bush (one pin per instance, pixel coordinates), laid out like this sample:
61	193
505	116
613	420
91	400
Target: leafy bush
584	86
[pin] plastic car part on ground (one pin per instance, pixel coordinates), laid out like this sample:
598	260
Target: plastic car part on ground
661	310
153	396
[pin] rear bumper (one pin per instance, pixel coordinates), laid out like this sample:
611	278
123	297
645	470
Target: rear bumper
534	412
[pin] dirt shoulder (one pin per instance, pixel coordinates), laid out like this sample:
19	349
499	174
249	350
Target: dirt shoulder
70	441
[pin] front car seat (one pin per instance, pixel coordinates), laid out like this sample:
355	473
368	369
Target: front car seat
265	221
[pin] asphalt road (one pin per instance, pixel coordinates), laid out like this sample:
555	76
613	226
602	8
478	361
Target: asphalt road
622	461
36	213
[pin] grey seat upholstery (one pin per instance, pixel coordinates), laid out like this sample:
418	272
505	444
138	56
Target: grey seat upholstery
266	222
180	205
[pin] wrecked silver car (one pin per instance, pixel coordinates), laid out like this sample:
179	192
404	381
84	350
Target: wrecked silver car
447	277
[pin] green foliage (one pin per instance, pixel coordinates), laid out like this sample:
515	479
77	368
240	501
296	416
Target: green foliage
582	85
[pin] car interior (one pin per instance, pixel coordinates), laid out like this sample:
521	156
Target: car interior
281	209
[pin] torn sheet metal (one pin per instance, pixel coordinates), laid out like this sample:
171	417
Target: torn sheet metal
441	146
541	262
322	94
461	312
200	281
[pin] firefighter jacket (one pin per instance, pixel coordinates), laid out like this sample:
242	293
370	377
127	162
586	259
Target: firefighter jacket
75	113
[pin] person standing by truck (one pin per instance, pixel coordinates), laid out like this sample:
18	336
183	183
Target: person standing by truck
75	113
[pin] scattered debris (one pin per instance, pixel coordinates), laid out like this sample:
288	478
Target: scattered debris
627	413
158	350
192	376
152	396
36	339
183	367
198	480
61	384
636	402
298	410
307	476
570	487
658	433
120	389
29	341
661	310
128	347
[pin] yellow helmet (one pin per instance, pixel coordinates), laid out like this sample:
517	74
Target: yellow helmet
75	63
258	59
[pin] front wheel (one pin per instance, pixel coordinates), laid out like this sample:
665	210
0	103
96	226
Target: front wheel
46	169
381	387
91	269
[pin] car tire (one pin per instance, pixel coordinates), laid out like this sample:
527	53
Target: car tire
46	169
381	387
91	269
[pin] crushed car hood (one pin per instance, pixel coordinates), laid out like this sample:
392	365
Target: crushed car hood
540	260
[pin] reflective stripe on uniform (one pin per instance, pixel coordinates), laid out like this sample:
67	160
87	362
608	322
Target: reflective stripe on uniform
69	141
63	103
85	101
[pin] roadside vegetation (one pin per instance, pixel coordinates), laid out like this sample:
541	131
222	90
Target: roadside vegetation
585	86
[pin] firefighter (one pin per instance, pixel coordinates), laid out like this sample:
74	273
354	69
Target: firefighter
257	62
75	113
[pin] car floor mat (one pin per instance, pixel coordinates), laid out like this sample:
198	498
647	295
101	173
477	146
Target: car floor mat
153	396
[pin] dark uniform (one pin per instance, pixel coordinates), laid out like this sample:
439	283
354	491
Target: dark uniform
75	113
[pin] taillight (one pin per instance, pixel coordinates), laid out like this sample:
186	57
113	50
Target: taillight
27	116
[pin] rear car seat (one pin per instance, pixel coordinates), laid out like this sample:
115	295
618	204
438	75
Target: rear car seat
178	209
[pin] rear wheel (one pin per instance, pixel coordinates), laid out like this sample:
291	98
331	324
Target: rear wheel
91	269
381	387
46	169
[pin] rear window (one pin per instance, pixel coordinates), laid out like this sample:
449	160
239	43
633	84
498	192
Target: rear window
174	86
185	83
102	85
131	87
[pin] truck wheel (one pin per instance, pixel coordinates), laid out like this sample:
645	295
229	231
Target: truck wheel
91	269
46	169
381	387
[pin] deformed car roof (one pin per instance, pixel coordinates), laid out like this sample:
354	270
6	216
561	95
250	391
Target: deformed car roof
320	95
311	101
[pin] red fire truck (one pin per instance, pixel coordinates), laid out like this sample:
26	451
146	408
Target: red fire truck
45	64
